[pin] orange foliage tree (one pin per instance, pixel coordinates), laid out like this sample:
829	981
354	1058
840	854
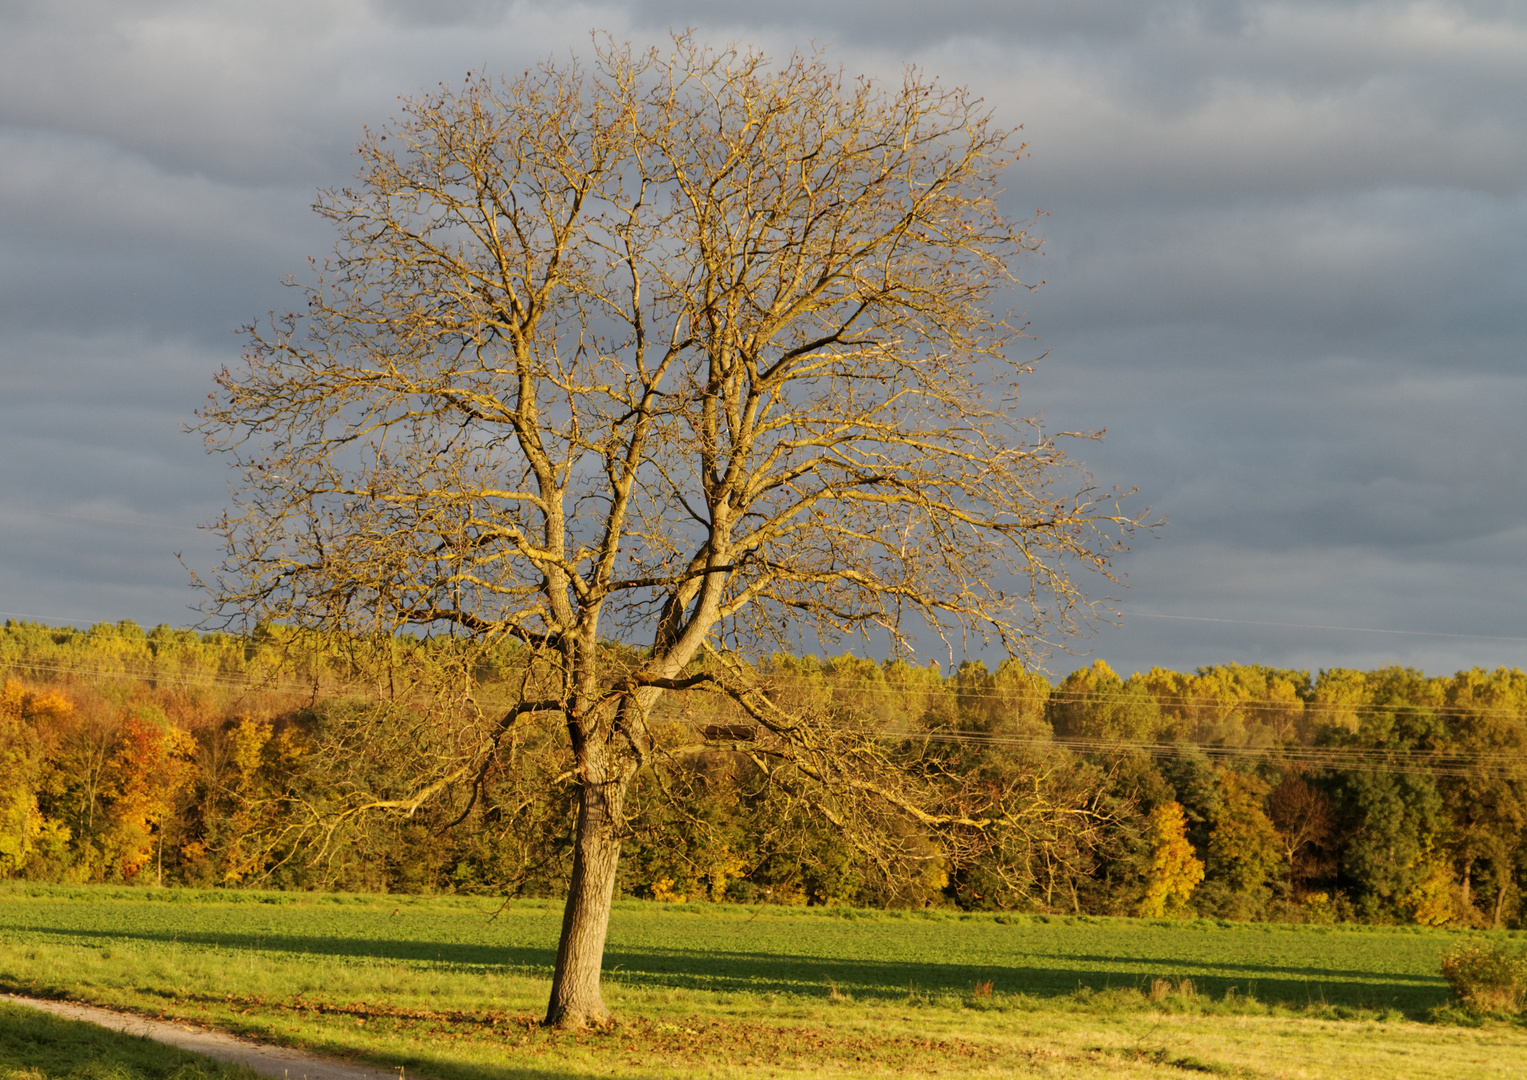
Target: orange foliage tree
150	767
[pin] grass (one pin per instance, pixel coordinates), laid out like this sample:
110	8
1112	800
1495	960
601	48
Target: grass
436	985
37	1046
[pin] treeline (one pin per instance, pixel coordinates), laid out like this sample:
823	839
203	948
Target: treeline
170	757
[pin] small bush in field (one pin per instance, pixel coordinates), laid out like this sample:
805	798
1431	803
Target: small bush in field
1487	976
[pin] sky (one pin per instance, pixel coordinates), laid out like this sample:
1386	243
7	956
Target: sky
1285	268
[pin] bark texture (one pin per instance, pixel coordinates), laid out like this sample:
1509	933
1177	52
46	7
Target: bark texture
576	999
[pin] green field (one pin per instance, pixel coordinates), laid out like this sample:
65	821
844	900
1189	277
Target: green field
447	987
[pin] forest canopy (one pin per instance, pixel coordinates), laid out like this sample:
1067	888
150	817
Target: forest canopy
170	757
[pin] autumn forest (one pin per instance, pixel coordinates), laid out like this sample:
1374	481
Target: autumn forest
1244	792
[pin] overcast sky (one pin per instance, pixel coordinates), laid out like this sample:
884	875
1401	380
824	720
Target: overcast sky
1285	267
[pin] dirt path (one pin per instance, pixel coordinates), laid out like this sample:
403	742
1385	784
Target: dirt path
267	1060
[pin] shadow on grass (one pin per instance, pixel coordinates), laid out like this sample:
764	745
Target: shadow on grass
762	973
54	1048
57	1048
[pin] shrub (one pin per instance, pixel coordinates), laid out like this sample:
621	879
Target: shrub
1487	976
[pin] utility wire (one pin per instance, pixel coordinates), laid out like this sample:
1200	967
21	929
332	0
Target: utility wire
1323	626
1491	764
1496	763
256	680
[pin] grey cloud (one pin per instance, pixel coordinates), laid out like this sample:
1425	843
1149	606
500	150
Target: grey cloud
96	238
1224	598
1094	138
102	486
1285	268
88	193
1169	48
198	87
1306	453
1430	279
102	417
443	12
913	24
271	93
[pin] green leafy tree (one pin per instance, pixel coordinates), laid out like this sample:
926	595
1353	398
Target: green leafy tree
1392	806
1485	792
1245	856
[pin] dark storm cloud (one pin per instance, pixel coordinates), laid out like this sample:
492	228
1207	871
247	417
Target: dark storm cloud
1284	267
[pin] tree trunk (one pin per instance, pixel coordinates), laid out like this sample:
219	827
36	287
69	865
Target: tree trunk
575	998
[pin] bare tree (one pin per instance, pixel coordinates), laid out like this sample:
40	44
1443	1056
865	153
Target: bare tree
683	350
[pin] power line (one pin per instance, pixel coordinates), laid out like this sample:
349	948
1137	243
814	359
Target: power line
62	619
1491	763
1499	763
150	669
1323	626
1166	701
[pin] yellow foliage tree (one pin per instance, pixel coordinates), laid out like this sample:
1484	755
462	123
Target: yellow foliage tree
1094	703
1175	870
1340	695
1430	900
21	763
1230	704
